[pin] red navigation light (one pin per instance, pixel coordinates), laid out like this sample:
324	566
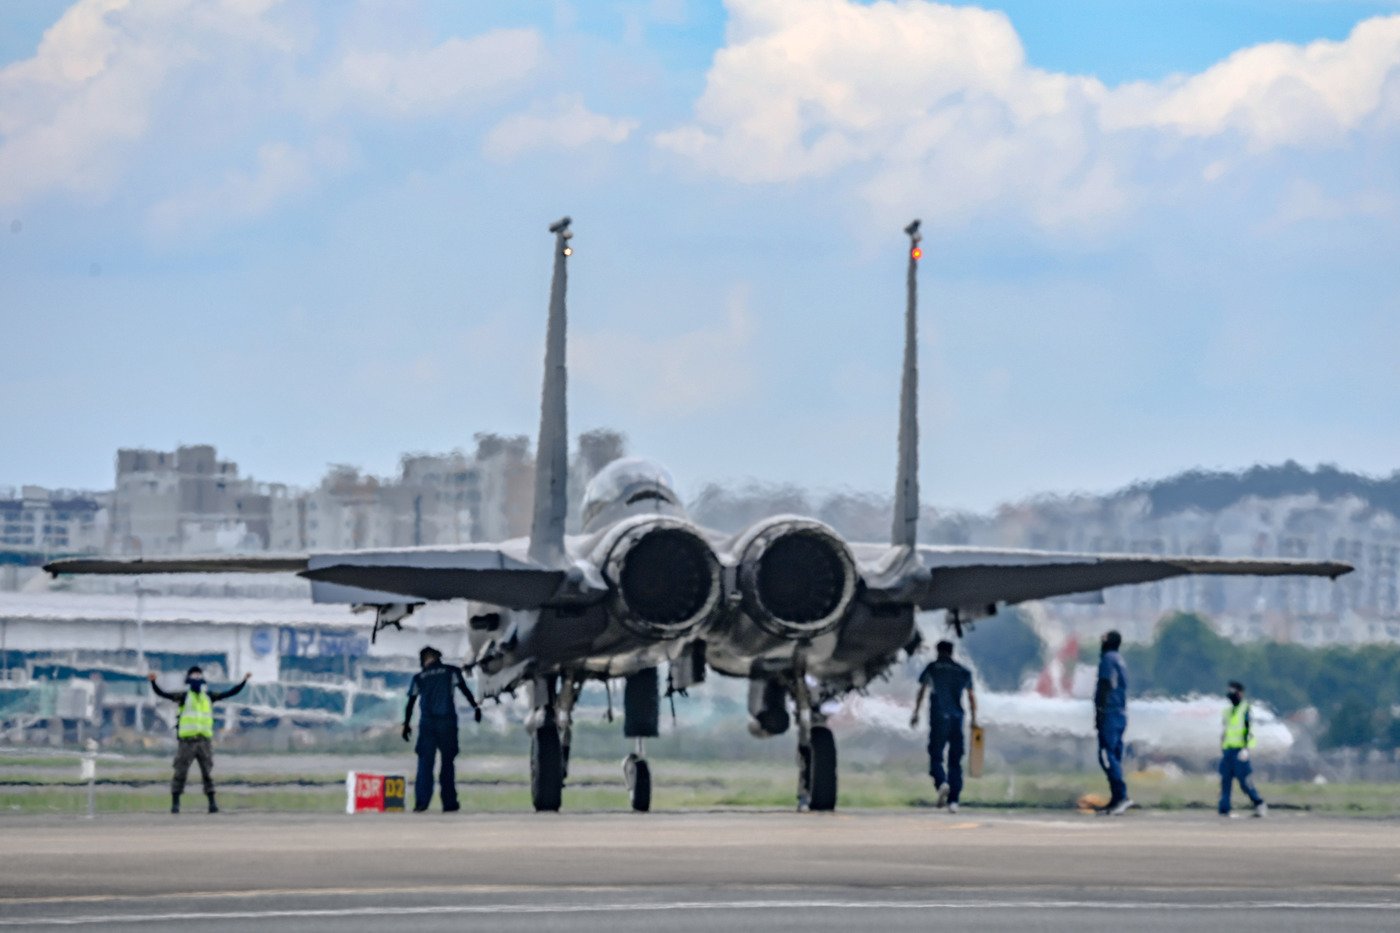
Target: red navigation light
916	253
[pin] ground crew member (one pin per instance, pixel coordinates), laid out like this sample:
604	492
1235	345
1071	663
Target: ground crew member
195	731
437	726
1235	742
946	679
1111	720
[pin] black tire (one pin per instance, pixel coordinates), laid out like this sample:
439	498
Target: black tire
821	776
640	790
546	768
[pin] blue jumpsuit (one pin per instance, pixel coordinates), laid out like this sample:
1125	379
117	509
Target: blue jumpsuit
437	731
946	680
1113	722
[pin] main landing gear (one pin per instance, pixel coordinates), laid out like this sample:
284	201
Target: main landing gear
816	753
550	738
552	718
637	773
546	766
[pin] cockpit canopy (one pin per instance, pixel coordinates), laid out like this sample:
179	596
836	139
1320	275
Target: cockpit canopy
629	485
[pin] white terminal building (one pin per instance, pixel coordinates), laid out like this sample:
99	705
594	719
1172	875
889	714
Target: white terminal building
76	655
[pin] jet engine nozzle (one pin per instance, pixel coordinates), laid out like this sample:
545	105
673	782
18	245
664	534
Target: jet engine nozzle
665	577
796	577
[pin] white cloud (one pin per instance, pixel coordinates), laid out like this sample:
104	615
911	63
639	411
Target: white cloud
437	79
1277	94
565	124
71	113
699	370
164	90
281	171
937	104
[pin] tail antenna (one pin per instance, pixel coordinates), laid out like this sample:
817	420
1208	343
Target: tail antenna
552	449
906	490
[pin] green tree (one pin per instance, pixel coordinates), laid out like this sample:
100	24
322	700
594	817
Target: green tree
1351	726
1004	648
1189	657
1390	737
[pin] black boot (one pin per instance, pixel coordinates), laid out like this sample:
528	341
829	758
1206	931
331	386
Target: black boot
213	807
174	803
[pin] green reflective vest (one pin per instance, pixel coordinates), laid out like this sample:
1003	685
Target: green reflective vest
196	716
1235	728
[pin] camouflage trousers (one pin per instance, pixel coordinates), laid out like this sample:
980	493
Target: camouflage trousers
201	750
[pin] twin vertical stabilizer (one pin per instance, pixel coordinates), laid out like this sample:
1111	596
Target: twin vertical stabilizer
552	452
906	489
552	448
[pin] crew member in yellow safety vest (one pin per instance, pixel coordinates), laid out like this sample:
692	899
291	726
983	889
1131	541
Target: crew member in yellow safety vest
195	731
1235	743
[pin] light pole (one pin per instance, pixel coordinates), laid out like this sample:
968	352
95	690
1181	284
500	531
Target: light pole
141	666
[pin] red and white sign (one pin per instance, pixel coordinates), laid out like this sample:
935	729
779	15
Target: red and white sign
373	793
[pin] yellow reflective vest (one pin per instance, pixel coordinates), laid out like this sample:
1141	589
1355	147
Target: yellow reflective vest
196	716
1235	728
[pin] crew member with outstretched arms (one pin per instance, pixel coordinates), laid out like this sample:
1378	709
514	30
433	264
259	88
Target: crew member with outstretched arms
437	726
195	731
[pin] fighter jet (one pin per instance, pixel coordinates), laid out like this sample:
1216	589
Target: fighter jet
788	604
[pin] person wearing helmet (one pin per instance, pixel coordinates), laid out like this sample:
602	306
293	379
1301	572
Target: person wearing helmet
195	731
437	726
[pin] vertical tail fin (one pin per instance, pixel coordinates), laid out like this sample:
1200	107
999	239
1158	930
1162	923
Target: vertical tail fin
552	447
906	489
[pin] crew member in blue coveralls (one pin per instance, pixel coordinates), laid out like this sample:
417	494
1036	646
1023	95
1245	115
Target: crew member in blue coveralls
195	731
437	726
1235	742
1111	720
947	679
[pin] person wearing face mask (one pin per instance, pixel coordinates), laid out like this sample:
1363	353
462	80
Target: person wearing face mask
195	730
1235	742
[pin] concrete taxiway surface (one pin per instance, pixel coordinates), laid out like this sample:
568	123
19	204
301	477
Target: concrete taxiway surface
693	870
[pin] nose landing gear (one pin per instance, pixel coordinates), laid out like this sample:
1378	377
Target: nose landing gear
641	720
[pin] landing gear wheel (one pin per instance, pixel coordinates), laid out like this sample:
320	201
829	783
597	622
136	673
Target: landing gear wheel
546	768
638	775
821	769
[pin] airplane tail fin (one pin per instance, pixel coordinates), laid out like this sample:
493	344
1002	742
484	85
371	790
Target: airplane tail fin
906	490
1056	679
552	447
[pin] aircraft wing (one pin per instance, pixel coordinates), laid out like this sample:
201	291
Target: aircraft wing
487	573
131	566
968	578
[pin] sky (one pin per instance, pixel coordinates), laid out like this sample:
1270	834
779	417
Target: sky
1158	235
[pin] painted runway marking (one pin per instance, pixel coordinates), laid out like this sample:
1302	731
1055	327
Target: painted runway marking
695	906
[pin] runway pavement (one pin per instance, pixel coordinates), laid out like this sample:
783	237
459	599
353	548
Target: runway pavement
699	870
